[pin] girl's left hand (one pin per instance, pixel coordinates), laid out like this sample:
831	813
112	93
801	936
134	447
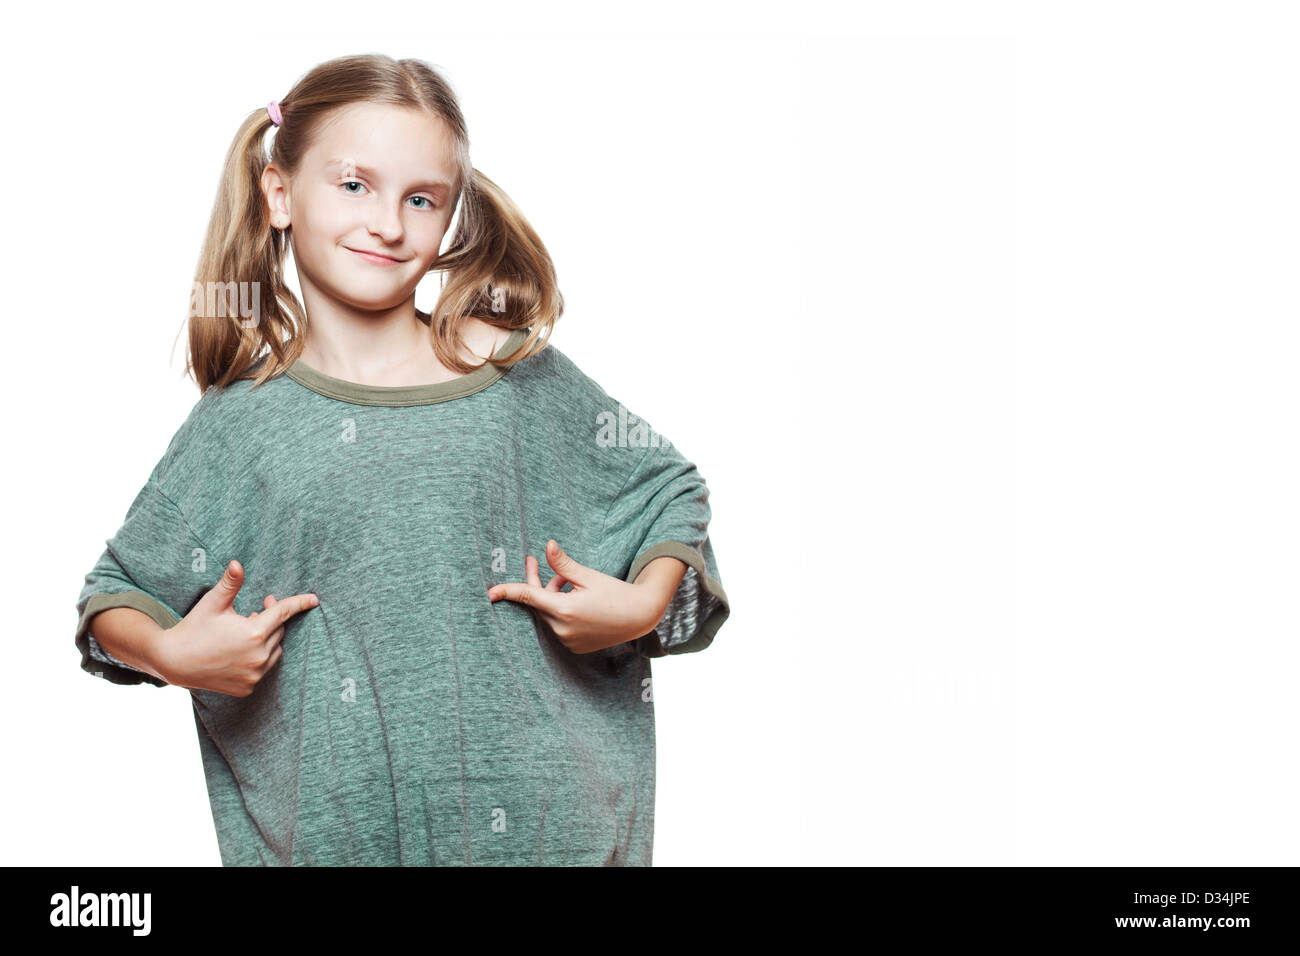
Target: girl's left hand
599	612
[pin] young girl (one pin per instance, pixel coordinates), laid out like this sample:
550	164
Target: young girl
417	696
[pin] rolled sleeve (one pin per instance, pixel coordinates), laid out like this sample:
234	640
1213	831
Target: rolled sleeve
156	564
663	511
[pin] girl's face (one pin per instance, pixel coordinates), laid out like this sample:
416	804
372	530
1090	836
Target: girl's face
370	204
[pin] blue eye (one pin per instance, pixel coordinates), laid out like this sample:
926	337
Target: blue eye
429	204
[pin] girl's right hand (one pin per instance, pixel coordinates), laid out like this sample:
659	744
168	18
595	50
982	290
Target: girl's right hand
216	648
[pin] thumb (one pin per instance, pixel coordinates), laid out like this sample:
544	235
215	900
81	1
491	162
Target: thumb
222	596
565	565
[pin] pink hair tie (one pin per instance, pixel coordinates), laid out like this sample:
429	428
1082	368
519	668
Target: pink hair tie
273	108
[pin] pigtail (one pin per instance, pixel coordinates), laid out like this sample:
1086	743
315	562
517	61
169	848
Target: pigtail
239	303
498	270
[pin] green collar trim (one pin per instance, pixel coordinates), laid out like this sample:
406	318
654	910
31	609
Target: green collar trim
357	394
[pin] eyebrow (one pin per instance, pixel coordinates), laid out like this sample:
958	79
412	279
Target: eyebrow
373	174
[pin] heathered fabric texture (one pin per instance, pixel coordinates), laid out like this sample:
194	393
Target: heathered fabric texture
411	721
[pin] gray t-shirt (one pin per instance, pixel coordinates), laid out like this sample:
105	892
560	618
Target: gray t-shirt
411	720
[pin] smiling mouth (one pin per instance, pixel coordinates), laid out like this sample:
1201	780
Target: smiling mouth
374	256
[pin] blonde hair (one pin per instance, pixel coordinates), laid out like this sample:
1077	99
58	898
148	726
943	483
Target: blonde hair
494	256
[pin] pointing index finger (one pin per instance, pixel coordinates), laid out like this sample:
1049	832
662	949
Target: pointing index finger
527	594
283	610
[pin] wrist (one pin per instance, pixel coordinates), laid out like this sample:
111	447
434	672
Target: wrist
153	651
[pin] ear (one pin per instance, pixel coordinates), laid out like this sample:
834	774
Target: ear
275	189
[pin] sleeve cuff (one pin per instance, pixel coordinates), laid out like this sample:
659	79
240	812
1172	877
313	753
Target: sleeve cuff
698	607
95	660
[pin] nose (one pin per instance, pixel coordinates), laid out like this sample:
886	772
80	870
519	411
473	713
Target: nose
386	223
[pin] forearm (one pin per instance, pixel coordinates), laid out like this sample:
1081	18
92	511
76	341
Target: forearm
661	578
129	635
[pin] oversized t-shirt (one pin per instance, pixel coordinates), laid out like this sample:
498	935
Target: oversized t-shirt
410	719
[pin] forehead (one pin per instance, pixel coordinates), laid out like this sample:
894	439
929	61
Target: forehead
399	141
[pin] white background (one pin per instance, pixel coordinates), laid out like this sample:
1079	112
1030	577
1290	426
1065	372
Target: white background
978	319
